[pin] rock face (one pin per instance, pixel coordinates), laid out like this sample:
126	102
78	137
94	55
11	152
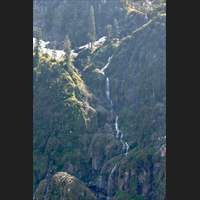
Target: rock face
75	121
63	186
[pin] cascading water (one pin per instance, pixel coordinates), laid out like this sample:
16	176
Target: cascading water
126	148
119	135
100	181
122	141
107	64
108	94
109	191
107	88
107	82
117	127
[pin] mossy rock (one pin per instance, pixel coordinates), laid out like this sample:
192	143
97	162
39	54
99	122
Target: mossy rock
63	186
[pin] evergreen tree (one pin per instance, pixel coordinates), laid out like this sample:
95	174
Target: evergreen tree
67	48
37	48
116	28
109	32
124	3
54	50
92	24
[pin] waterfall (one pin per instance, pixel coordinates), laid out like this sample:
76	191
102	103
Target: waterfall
122	141
119	135
100	181
107	81
126	148
107	88
117	127
112	171
107	64
146	17
109	182
125	145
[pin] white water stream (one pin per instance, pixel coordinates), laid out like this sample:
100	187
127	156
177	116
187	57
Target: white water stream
110	182
117	127
107	88
106	66
119	135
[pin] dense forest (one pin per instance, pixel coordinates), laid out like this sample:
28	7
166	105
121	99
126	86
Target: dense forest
99	95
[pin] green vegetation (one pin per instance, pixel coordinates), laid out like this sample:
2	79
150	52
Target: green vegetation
73	119
126	196
60	114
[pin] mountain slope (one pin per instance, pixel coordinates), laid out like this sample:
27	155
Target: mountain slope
102	117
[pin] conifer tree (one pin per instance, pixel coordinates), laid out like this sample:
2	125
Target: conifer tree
109	32
92	24
37	48
116	28
124	3
67	48
54	50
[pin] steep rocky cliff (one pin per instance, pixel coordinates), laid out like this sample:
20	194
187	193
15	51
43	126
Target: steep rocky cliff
101	118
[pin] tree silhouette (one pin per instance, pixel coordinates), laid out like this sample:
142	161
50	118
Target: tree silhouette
67	48
109	32
92	25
